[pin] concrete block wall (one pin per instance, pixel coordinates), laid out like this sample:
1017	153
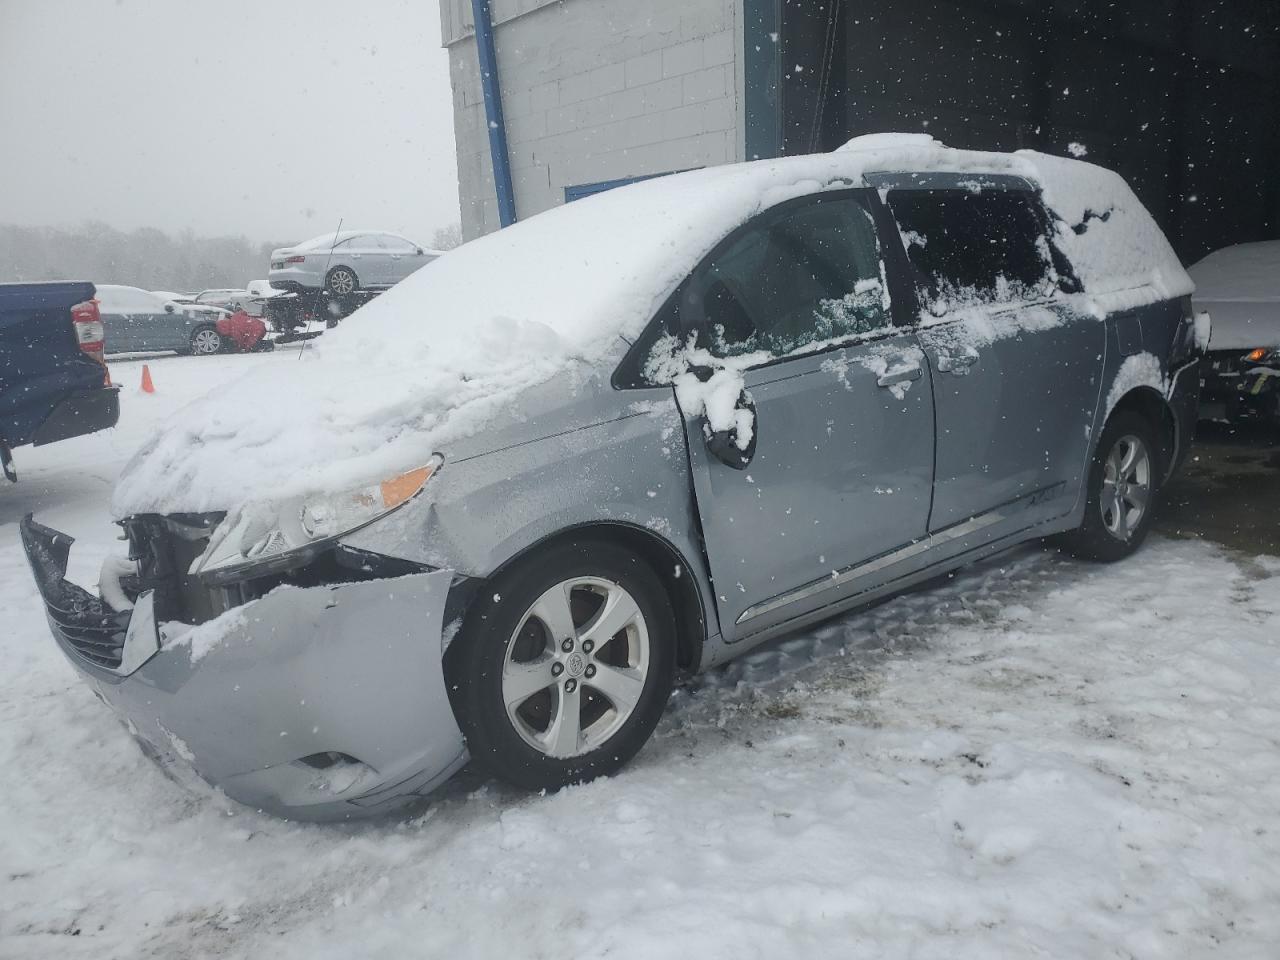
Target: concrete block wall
594	90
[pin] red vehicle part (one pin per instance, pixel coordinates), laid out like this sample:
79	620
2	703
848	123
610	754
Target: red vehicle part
90	334
242	330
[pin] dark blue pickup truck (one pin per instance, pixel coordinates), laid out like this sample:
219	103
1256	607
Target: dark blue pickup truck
53	381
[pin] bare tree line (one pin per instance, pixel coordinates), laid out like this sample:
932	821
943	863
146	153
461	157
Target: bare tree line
147	258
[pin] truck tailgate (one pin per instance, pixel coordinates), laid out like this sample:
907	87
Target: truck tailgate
41	364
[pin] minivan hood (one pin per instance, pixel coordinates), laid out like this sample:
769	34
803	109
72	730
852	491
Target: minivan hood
295	426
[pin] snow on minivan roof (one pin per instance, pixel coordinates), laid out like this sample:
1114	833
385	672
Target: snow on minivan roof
451	347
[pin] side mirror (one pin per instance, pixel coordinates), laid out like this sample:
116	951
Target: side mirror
421	252
723	444
168	308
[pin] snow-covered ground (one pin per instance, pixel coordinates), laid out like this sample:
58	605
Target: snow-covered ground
1034	758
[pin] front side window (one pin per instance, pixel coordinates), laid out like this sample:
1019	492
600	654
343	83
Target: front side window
798	277
974	247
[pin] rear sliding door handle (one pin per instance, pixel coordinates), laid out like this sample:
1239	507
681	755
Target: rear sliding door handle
958	364
900	375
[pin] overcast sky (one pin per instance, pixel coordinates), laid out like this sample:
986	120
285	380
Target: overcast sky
265	118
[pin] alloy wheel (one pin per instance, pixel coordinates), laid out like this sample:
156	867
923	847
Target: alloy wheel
206	342
341	282
1126	487
575	667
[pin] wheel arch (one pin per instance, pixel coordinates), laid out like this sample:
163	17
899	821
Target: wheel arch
1154	407
667	562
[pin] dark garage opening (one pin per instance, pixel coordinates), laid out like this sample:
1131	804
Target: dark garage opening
1182	97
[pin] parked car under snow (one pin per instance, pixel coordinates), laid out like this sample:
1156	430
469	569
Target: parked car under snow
1240	288
698	412
137	320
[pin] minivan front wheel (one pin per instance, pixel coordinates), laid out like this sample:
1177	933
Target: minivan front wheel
1123	486
565	665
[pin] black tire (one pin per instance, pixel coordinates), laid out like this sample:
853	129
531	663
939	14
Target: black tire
341	282
201	341
476	660
1098	538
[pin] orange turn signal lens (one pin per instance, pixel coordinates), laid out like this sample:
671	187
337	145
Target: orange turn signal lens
1253	356
404	487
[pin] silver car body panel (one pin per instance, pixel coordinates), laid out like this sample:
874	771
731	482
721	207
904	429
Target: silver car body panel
1015	416
842	472
350	669
577	454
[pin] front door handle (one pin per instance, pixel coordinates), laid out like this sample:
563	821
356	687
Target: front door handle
899	375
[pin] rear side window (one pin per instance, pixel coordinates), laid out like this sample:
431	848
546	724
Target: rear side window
801	276
395	244
983	246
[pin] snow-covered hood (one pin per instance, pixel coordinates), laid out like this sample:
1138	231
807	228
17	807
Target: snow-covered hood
445	354
1239	287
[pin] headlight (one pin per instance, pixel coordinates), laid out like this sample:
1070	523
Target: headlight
267	537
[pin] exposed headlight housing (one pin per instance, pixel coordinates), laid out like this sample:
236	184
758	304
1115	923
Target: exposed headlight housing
263	537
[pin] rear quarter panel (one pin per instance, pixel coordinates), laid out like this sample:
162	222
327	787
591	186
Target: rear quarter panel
1142	344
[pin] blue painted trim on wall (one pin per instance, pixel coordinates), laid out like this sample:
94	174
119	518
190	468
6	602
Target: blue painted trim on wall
762	72
493	112
580	190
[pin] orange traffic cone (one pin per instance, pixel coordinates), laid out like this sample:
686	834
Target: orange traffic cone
147	385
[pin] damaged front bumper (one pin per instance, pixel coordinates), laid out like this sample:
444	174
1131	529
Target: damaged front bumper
319	703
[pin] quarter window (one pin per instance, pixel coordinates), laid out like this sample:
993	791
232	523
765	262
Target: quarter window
799	277
975	246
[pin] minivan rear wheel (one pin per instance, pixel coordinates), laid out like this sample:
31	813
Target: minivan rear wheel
564	665
1124	481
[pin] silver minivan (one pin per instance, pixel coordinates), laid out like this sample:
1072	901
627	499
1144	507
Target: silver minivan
767	394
